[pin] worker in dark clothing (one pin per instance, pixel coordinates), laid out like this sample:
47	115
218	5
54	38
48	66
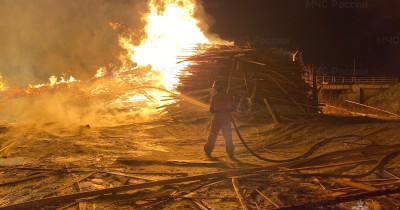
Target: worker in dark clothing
221	106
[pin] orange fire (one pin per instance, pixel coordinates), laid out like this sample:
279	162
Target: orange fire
54	84
169	33
101	72
171	29
55	81
3	85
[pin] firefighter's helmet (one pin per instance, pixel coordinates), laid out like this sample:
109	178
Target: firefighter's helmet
219	85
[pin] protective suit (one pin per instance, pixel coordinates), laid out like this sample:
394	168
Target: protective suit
221	108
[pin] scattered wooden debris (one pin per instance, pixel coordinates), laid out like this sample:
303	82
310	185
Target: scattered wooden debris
135	161
200	204
239	195
69	197
17	180
342	199
317	180
68	206
215	178
4	148
130	176
269	200
274	115
71	183
347	182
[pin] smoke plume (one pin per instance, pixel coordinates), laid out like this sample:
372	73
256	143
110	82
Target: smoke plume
50	37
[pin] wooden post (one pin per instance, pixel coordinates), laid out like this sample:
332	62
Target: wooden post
230	80
271	111
277	84
253	96
314	91
245	83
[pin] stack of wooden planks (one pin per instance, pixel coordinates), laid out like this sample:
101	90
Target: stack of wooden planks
254	76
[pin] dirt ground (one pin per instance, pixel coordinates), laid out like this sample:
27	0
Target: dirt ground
163	148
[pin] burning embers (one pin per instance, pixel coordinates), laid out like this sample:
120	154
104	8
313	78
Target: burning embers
53	85
55	81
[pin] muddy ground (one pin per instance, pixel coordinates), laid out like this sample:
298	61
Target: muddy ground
139	152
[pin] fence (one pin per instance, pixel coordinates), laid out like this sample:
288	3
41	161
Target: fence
331	80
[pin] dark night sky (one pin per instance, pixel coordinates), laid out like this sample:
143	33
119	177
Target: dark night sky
329	36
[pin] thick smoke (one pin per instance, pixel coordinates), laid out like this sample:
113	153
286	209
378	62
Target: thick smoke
40	38
206	21
60	107
74	105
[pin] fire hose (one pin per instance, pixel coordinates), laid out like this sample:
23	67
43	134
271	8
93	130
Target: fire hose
307	154
383	161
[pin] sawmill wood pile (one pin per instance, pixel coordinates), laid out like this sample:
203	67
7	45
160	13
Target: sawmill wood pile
306	183
251	74
361	164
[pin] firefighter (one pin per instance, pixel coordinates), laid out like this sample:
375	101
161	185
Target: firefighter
221	106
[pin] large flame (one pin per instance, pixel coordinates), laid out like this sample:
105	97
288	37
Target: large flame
171	30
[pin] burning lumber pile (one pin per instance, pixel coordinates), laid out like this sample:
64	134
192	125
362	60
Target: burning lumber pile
18	93
256	77
55	84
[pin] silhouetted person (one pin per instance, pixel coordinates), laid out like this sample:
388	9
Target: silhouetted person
221	106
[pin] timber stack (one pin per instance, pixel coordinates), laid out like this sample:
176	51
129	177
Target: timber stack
254	76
